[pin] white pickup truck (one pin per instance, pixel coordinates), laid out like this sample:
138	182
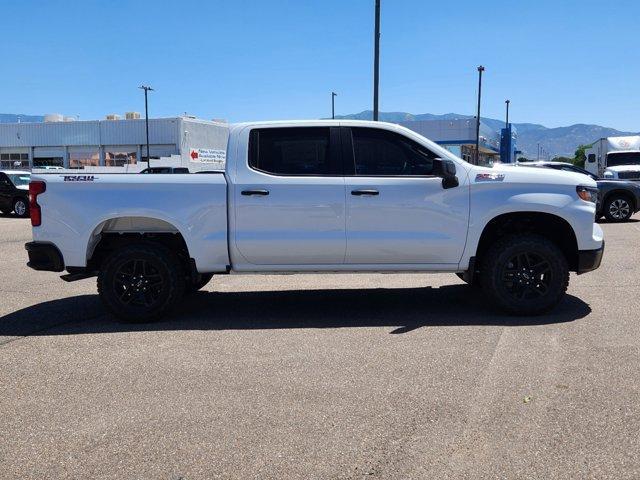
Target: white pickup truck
318	196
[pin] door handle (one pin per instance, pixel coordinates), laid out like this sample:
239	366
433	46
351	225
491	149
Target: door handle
364	192
246	193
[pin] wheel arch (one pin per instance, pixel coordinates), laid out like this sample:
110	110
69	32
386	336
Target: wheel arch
116	232
621	192
548	225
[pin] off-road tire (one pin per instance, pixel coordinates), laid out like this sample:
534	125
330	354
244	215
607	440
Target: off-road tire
618	208
122	295
503	280
201	280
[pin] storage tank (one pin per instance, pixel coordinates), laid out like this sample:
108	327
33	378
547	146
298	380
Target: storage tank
53	117
132	115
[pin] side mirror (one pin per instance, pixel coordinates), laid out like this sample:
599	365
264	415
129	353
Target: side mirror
446	169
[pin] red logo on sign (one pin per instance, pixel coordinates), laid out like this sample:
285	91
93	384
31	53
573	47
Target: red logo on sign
194	154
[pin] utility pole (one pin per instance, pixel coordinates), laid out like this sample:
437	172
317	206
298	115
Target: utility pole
538	151
480	70
146	89
376	61
333	106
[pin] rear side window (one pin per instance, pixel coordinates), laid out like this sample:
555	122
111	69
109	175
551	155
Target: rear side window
291	151
385	153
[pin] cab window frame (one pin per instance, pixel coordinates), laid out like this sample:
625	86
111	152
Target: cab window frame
349	154
334	154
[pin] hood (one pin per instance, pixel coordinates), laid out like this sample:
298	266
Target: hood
624	168
521	174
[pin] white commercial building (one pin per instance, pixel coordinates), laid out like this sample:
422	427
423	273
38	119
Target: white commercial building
195	143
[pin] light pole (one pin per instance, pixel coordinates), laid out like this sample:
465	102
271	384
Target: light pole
507	102
333	105
376	60
480	70
538	151
146	89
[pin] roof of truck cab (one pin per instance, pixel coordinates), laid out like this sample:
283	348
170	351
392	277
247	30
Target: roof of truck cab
325	122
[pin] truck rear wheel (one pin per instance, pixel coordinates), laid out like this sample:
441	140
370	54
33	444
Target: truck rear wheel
525	274
141	283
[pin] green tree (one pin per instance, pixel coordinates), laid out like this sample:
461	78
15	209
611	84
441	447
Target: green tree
580	156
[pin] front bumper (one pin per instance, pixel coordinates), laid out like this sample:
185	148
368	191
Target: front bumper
589	260
44	256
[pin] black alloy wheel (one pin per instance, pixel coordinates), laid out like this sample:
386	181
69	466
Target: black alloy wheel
527	276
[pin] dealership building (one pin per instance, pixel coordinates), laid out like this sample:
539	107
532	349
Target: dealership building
198	144
459	137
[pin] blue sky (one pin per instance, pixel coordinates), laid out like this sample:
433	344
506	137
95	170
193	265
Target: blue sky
559	62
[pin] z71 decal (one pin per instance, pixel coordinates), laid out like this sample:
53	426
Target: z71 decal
78	178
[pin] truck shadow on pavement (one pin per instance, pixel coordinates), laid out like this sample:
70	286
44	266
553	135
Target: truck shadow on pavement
402	309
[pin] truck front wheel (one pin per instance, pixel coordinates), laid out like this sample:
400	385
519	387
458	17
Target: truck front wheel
141	283
525	274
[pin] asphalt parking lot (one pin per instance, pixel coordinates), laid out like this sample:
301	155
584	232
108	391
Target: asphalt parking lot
333	376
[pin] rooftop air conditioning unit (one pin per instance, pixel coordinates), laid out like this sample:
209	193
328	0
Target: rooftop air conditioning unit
53	117
113	116
132	115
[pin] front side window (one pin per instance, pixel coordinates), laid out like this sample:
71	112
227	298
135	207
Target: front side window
385	153
291	151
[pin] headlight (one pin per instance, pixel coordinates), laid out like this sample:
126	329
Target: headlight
588	194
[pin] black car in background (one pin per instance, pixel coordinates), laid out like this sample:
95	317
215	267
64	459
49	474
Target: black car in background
14	192
618	200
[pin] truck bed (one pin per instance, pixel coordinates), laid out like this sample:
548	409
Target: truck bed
78	208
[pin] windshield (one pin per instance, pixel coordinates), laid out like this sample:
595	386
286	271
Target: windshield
20	179
623	158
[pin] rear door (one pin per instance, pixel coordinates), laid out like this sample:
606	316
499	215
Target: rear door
289	198
397	211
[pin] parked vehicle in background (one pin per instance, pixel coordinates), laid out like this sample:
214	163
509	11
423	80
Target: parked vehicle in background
623	172
320	196
49	167
615	158
618	200
14	192
165	170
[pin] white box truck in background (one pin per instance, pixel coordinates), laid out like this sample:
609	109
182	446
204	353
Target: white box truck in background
615	158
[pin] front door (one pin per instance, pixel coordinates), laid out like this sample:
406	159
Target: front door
289	198
397	211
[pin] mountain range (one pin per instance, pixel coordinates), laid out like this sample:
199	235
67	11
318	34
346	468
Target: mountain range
559	141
